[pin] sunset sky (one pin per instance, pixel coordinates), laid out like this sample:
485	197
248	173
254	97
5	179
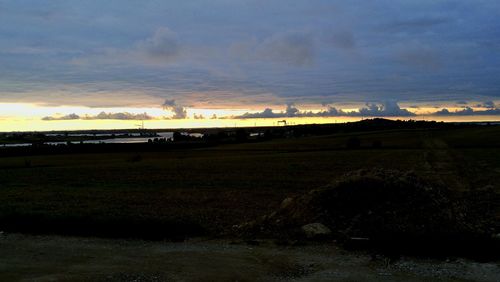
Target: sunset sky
110	64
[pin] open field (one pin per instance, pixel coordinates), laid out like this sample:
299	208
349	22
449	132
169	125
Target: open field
205	191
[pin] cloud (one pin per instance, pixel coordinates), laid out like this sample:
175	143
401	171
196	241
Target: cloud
291	110
416	23
163	46
468	111
66	117
292	48
200	116
331	111
294	51
488	104
267	113
179	111
343	40
386	109
419	56
101	116
92	95
121	116
159	49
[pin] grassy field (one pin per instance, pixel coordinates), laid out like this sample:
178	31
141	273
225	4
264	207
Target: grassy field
206	191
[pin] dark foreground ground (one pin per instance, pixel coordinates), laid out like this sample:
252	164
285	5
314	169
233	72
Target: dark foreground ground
186	193
53	258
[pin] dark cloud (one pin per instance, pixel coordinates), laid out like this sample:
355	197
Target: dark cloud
488	104
468	111
67	51
160	49
66	117
102	116
179	111
343	40
415	24
291	110
386	109
418	56
293	48
162	46
121	116
267	113
329	112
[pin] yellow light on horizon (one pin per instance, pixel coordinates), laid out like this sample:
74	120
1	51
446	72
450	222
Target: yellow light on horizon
28	117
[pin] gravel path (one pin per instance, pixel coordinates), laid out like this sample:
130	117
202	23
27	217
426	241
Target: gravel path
53	258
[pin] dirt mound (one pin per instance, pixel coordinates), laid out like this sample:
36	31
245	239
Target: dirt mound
377	205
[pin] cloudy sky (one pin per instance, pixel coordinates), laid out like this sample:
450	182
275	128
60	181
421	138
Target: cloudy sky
290	57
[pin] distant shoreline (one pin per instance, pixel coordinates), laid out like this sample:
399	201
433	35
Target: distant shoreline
211	128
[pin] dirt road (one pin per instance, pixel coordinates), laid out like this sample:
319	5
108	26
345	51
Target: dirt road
53	258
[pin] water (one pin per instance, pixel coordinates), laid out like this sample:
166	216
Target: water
83	134
16	145
108	141
130	139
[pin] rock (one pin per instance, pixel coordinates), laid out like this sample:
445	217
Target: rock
315	230
273	214
286	202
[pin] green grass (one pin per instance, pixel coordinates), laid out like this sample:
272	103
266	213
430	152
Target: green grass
217	187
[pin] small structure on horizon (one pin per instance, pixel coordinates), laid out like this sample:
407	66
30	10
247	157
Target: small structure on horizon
282	121
141	125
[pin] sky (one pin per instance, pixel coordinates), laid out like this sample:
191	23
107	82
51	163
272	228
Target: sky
72	64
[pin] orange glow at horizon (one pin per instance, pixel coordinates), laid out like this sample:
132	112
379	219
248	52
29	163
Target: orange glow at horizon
28	117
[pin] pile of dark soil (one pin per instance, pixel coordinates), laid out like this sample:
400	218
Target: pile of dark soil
389	209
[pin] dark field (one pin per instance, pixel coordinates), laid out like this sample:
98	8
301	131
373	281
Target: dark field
205	191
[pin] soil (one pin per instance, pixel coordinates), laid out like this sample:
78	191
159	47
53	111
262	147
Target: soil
393	211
